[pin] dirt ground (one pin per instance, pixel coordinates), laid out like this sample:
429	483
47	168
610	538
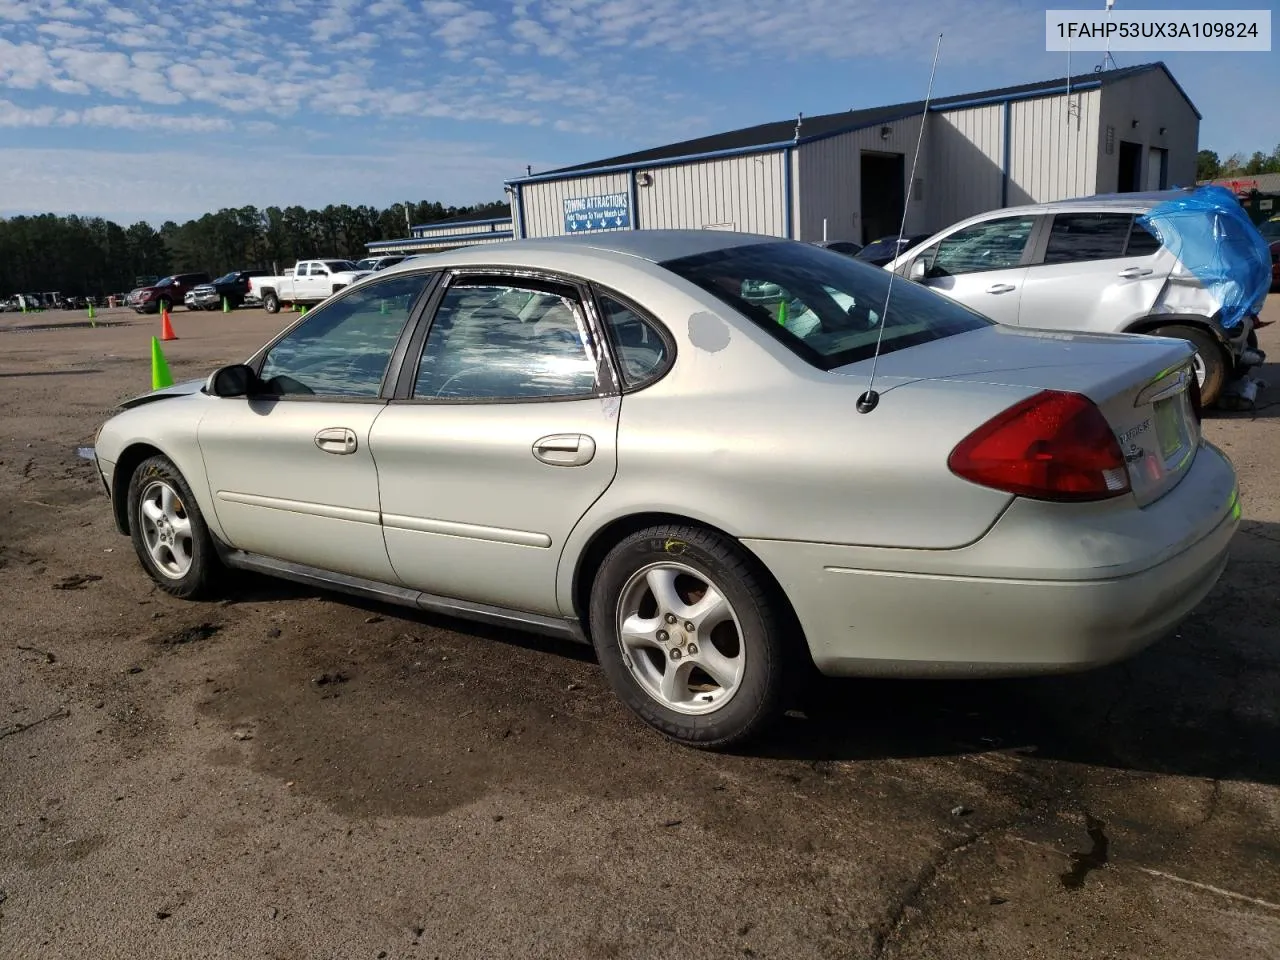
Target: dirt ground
290	774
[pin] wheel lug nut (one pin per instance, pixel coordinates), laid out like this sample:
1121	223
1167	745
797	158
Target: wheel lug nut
689	627
693	649
663	636
670	618
676	654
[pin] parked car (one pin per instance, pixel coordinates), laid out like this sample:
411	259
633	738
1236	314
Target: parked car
879	252
602	438
165	294
308	282
234	286
374	264
1085	265
1270	230
847	247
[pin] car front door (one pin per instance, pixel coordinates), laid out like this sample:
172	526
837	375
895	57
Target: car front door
1098	272
290	468
319	285
982	265
502	434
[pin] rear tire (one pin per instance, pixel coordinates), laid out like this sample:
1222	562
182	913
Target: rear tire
717	685
1211	361
169	533
270	302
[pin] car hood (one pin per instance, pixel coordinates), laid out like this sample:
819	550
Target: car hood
183	389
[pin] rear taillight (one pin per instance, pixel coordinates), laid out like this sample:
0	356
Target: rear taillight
1053	446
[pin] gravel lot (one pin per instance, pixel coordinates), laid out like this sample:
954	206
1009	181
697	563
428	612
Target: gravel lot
290	774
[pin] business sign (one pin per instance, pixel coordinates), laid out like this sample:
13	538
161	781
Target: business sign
607	211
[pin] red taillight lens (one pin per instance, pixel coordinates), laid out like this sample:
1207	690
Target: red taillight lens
1053	446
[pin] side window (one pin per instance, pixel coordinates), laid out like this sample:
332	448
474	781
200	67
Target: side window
343	347
643	353
1077	237
990	245
1142	242
301	270
492	342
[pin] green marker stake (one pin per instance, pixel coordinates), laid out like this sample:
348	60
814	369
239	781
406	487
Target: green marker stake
782	314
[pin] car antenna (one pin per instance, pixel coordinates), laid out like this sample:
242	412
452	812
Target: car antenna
869	400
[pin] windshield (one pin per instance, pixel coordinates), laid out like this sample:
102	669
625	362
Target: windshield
231	277
166	282
339	266
1270	230
822	305
365	264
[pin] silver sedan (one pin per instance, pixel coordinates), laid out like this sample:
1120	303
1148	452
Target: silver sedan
653	441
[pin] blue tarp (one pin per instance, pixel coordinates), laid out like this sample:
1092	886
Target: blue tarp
1214	238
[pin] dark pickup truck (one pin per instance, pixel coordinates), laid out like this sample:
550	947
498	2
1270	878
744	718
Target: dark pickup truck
234	286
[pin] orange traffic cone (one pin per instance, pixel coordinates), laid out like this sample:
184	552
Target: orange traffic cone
166	328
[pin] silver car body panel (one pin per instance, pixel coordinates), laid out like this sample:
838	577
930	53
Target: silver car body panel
893	563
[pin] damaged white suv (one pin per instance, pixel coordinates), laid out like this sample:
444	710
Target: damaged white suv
1086	265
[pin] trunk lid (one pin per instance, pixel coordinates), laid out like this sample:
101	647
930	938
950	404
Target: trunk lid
1141	384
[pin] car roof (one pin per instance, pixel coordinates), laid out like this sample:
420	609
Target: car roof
1119	201
652	245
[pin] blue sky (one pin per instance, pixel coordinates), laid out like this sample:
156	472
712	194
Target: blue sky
155	109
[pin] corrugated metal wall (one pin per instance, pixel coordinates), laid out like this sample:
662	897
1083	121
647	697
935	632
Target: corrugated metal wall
829	184
744	193
427	245
544	202
966	153
1152	100
1053	152
457	229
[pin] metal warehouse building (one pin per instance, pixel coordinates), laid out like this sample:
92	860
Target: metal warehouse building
842	176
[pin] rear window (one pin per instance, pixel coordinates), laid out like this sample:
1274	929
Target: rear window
824	306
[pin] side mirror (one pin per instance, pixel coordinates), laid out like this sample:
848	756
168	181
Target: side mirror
917	271
236	380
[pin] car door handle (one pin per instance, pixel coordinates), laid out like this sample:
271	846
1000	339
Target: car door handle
1001	288
1129	273
338	440
565	449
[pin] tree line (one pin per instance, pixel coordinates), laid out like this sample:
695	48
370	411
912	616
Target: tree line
1209	166
90	256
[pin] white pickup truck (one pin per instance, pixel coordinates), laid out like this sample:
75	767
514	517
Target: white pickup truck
309	282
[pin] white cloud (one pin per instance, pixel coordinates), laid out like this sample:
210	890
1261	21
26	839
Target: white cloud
114	116
65	31
25	65
465	27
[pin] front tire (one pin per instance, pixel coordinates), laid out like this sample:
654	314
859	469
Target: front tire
1210	361
168	531
270	303
690	635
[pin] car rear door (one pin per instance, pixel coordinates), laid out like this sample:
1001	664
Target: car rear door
290	468
982	265
502	433
1094	270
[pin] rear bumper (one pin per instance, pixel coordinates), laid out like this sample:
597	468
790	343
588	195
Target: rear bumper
953	613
